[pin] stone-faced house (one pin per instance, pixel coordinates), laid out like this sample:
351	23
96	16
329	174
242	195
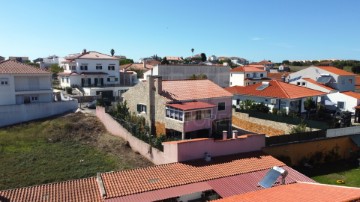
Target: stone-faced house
182	108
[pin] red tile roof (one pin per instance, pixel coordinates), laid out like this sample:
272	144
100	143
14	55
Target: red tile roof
136	66
318	84
277	76
357	82
89	55
234	185
336	70
299	192
81	190
352	94
165	176
185	106
276	89
249	68
192	90
14	67
163	194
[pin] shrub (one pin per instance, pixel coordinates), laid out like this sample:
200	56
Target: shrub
275	110
300	128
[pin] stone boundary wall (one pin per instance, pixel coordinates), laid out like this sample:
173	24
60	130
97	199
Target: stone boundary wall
272	124
338	132
112	126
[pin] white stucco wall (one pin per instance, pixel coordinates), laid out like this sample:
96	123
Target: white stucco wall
7	92
349	102
237	79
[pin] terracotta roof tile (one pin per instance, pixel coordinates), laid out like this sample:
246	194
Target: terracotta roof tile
277	76
299	192
352	94
191	105
164	176
336	70
192	90
248	68
81	190
318	84
276	89
14	67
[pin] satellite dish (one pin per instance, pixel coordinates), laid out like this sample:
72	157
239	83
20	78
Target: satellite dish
272	175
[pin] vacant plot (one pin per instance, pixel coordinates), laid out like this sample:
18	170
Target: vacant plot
68	147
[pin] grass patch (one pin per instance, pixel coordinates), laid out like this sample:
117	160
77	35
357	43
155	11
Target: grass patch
330	173
69	147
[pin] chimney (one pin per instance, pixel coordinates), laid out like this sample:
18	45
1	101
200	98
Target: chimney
159	84
224	135
235	134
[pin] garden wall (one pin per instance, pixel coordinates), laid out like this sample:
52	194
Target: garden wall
314	151
112	126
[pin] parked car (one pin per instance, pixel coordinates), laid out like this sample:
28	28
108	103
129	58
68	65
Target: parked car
91	105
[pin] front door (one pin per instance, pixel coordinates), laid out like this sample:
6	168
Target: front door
96	81
101	81
89	81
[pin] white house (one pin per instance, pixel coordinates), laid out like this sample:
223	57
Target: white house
275	94
247	75
93	72
23	84
328	76
218	74
345	101
50	60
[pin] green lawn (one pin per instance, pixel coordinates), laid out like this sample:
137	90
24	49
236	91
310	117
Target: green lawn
330	173
69	147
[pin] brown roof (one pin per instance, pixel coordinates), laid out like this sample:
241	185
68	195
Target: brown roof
191	105
336	70
276	89
136	66
352	94
14	67
277	76
299	192
81	190
192	90
165	176
249	68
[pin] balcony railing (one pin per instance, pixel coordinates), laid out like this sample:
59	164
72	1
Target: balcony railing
105	85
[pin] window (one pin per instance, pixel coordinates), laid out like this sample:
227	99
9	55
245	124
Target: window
247	75
116	79
254	82
198	115
303	83
4	81
67	79
230	83
73	67
98	66
62	79
111	67
188	116
350	81
34	98
221	106
141	108
298	83
206	113
83	67
261	75
108	79
341	105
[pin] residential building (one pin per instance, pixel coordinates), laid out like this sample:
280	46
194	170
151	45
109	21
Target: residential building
267	64
332	77
344	101
23	84
2	58
238	61
46	62
174	59
19	59
182	108
247	75
199	180
276	94
216	73
93	72
299	192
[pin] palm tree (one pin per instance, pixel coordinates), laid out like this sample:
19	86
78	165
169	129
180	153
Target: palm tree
192	50
112	52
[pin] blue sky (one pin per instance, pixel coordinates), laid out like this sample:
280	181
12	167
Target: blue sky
256	30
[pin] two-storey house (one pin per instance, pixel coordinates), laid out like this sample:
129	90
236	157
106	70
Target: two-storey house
23	84
93	72
247	75
182	108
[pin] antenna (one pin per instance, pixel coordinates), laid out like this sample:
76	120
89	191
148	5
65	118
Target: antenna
272	175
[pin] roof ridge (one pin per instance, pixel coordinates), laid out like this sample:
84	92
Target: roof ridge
281	88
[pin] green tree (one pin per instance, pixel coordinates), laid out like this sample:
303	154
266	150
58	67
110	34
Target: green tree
309	104
164	61
203	57
192	51
55	69
112	51
126	61
286	62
